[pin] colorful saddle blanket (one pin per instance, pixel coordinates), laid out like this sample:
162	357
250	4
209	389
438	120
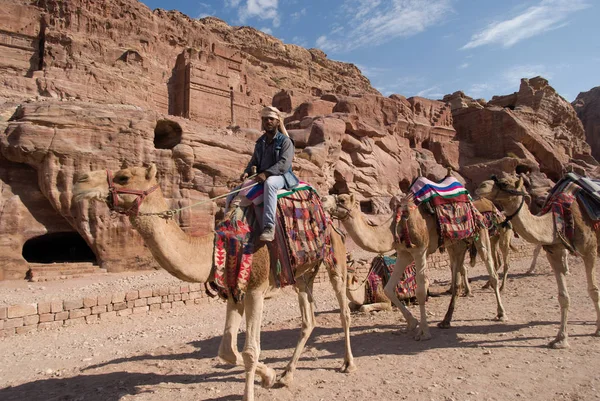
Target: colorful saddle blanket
449	190
301	237
255	194
382	268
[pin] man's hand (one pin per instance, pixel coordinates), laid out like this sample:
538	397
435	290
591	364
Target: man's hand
243	176
261	177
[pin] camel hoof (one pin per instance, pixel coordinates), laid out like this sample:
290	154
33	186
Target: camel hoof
421	336
285	379
501	318
348	367
270	378
559	344
444	324
235	359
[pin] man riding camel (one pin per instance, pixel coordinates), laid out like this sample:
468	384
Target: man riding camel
273	155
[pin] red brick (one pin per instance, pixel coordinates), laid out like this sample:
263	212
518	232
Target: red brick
166	305
140	309
104	300
75	304
108	315
89	302
22	310
170	298
73	322
154	307
184	288
47	317
119	306
177	304
31	320
174	290
91	319
3	312
49	325
159	292
118	297
44	307
56	306
132	295
177	297
140	302
77	313
146	293
153	300
26	329
61	315
194	295
12	323
125	312
98	309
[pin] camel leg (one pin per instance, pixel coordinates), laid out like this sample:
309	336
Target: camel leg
464	272
456	252
494	247
536	253
504	248
228	351
378	306
421	268
338	282
304	287
254	303
402	260
489	264
590	271
555	257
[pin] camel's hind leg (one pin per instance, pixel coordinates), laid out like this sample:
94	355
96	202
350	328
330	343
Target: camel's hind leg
536	254
337	277
504	239
304	288
556	259
590	271
421	269
402	260
456	252
254	302
228	351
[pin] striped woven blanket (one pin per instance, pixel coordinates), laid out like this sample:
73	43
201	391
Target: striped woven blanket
449	190
382	268
255	194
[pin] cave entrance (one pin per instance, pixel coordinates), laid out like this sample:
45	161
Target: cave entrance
62	247
167	134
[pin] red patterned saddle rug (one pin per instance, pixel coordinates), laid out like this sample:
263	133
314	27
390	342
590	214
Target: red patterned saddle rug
382	268
560	204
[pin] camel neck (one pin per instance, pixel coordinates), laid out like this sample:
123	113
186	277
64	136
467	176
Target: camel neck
378	239
534	229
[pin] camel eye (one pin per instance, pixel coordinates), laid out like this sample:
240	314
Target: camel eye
122	180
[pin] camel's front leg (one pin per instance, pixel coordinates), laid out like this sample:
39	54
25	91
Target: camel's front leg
456	252
402	260
464	273
228	351
555	257
338	281
483	247
421	269
504	245
536	253
254	302
304	287
590	271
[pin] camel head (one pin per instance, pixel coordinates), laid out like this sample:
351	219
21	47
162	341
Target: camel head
502	190
340	206
129	185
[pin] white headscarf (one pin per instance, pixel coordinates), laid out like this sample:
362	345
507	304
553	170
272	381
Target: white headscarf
270	111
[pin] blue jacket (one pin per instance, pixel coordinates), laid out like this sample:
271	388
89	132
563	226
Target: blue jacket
279	162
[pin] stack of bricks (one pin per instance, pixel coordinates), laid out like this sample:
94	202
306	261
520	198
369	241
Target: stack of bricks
19	319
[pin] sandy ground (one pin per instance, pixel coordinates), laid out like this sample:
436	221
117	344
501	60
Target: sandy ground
171	354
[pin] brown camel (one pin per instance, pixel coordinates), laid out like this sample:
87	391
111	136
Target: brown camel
509	193
190	259
422	228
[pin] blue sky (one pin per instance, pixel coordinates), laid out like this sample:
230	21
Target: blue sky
433	47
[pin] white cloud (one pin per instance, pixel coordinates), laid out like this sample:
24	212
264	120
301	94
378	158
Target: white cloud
535	20
513	75
298	14
300	41
463	66
373	22
479	90
261	9
266	30
431	92
372	72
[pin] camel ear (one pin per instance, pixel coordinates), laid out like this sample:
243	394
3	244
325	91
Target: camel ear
151	171
352	198
519	184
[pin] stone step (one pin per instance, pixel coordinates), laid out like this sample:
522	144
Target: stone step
61	271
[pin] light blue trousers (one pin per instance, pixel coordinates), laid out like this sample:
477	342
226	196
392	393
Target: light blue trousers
273	184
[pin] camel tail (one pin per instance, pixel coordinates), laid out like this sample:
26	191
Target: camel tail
473	254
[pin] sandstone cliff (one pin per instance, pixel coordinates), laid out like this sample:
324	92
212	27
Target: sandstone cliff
587	106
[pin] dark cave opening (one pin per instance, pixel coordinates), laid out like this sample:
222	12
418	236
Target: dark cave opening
62	247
